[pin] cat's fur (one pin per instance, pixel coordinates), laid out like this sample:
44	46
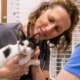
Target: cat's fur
24	45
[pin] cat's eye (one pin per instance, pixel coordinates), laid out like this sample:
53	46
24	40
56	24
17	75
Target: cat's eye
30	45
21	43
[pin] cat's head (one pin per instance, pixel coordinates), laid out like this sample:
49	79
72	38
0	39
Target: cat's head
26	44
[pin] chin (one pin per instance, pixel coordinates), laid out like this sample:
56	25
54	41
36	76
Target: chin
41	38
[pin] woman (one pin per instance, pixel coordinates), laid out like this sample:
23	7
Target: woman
55	21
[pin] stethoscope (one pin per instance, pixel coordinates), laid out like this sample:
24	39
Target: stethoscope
28	34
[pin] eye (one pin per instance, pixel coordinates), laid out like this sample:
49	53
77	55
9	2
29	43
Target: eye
57	29
21	43
50	20
30	45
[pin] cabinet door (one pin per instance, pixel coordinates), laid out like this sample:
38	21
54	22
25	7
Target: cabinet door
3	11
11	11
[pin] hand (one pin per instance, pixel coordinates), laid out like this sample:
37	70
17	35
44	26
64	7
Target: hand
12	69
36	53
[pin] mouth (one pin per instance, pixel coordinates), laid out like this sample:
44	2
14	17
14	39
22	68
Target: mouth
42	32
24	51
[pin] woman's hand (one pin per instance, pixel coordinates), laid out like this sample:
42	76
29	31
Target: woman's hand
12	69
36	53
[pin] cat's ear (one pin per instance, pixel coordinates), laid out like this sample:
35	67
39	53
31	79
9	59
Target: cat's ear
36	38
21	35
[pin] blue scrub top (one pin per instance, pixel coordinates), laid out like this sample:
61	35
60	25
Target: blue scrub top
73	64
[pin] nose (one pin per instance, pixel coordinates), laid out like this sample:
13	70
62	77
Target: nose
50	28
24	49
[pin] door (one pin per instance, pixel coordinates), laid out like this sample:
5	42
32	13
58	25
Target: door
3	11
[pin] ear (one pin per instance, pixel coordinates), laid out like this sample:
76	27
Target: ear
36	38
21	35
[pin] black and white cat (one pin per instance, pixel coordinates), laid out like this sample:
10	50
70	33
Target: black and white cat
24	45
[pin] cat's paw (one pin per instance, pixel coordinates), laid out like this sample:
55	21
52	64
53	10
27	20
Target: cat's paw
37	62
20	63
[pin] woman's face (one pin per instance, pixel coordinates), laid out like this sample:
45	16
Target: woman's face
52	23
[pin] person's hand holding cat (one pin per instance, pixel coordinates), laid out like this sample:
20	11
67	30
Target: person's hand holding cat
36	53
12	69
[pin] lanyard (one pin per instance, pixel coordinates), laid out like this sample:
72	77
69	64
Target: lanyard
43	44
28	29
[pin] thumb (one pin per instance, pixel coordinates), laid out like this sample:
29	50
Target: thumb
37	47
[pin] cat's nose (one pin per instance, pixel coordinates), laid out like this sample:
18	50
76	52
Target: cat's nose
24	49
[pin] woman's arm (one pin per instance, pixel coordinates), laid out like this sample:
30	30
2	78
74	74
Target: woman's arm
46	74
36	71
65	75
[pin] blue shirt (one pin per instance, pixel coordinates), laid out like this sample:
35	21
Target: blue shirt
73	64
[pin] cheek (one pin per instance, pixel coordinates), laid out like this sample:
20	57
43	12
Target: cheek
21	48
39	21
55	34
30	50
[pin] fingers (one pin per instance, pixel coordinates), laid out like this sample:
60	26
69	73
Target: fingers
13	69
17	71
23	69
15	60
36	53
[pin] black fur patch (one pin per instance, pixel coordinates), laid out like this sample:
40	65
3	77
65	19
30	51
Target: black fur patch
7	52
